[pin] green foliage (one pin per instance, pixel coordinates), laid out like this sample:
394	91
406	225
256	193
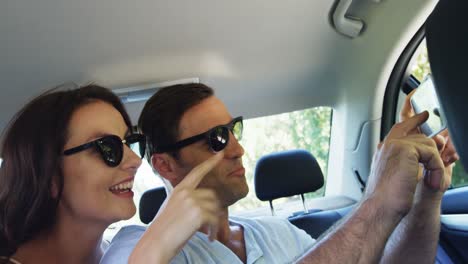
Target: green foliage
421	68
306	129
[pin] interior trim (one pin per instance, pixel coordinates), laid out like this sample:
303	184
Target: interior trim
397	79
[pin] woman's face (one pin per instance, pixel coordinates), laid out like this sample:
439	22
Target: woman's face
92	190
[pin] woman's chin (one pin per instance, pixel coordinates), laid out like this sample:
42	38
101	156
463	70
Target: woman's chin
129	213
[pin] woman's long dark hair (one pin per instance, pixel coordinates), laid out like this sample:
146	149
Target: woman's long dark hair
31	150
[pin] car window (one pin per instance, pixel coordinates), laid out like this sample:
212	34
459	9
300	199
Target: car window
419	69
420	66
307	129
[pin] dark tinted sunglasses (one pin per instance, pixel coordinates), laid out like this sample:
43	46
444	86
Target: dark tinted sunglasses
111	147
217	137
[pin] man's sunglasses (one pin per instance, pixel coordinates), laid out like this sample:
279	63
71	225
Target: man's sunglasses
217	137
111	147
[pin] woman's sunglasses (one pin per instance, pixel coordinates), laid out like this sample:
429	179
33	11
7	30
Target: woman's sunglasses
111	147
217	137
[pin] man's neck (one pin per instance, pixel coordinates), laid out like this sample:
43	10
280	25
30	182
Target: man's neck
224	229
231	235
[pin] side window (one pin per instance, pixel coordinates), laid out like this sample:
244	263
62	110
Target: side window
419	69
307	129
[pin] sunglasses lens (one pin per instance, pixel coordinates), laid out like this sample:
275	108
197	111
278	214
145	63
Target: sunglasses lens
137	143
237	129
111	150
218	138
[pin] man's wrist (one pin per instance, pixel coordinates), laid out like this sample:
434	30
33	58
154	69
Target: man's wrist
428	200
378	208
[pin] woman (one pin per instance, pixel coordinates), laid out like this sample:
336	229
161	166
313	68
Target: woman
67	174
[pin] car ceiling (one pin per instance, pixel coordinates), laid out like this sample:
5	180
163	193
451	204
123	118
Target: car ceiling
262	57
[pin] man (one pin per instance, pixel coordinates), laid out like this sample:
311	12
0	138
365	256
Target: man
396	221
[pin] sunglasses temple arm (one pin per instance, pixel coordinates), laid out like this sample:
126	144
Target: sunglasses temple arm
78	149
181	143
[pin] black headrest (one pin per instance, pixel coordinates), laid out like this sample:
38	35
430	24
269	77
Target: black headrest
447	44
150	203
286	174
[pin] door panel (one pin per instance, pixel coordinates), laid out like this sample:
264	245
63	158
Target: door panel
454	224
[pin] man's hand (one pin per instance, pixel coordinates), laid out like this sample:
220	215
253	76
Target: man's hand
362	235
385	227
185	210
395	170
445	146
415	238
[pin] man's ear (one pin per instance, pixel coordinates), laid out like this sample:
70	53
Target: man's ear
165	165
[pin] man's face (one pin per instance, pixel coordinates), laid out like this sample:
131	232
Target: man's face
227	179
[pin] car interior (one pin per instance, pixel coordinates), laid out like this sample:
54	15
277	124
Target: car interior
359	59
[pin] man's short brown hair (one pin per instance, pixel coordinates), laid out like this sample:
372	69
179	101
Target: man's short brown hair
161	115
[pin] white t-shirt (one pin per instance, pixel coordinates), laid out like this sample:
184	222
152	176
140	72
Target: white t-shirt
267	240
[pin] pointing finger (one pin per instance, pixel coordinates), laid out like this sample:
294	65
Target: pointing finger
407	110
406	127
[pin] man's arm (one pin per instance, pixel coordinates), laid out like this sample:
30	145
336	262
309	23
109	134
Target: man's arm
415	239
359	238
389	196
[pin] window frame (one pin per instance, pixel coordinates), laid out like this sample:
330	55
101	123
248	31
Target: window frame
400	77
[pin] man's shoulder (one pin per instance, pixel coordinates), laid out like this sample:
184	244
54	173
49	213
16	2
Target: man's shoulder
265	224
122	244
275	237
130	232
273	229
